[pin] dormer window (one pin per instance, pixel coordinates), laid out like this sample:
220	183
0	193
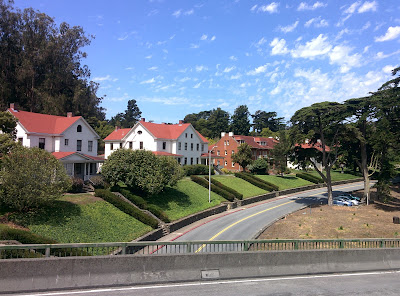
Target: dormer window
79	129
139	132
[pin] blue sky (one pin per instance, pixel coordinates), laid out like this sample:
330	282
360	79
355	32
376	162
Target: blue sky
181	57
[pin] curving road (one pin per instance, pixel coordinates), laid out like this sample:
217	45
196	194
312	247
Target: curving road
244	223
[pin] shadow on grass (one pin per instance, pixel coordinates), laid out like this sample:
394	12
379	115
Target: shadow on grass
287	177
53	213
169	195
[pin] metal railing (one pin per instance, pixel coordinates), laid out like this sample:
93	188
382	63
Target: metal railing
191	247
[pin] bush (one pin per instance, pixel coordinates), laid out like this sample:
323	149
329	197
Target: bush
249	178
226	188
126	207
310	178
226	171
259	166
76	185
197	169
203	182
24	237
272	185
99	182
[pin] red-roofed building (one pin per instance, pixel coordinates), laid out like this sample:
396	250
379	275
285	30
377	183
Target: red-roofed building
70	139
228	144
180	140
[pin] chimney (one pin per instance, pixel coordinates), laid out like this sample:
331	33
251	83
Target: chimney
230	134
223	134
12	106
180	121
117	127
143	119
69	114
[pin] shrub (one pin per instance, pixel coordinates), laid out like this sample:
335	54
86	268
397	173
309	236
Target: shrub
197	169
226	188
24	237
126	207
99	182
76	185
254	181
203	182
226	171
259	166
158	212
272	185
310	178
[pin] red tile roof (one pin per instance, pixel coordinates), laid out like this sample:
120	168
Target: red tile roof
117	134
159	153
252	141
317	146
43	123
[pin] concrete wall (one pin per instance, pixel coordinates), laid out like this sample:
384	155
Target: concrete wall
18	275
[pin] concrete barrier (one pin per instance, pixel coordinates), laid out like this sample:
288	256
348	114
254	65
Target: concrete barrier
22	275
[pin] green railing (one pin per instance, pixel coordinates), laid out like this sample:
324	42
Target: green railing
192	247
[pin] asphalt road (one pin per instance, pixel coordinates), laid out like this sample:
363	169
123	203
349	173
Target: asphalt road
373	283
244	223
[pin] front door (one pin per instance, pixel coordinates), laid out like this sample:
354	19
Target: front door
79	170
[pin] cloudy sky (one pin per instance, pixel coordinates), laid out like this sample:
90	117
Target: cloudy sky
180	57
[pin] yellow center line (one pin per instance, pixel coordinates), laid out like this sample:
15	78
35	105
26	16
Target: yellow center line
248	217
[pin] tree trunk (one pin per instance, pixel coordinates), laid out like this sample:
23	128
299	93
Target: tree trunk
328	182
364	170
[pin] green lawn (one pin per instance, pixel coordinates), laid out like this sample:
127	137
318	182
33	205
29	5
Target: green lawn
186	198
285	182
240	186
82	218
336	175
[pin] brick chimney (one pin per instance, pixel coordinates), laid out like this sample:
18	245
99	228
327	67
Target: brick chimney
69	114
117	127
12	106
143	119
180	121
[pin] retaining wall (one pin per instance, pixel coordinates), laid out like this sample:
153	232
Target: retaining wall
22	275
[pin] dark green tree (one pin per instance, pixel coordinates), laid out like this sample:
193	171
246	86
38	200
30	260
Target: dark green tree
240	121
243	156
259	166
218	121
129	118
263	119
7	134
281	151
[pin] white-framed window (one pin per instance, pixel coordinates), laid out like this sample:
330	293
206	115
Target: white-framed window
226	152
227	142
202	147
164	145
42	143
218	152
141	145
233	152
191	136
130	145
191	146
233	164
191	160
66	142
79	129
226	163
78	145
198	146
197	160
185	146
111	146
179	145
90	146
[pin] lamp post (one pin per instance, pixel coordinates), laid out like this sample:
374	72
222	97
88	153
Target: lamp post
209	174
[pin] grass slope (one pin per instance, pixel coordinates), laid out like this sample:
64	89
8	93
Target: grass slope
240	185
336	175
285	182
83	218
185	199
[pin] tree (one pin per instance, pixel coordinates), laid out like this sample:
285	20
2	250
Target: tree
8	124
40	65
240	121
129	118
30	177
209	123
259	166
262	119
243	156
141	170
281	151
320	124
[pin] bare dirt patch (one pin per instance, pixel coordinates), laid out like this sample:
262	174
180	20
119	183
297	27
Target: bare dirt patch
331	222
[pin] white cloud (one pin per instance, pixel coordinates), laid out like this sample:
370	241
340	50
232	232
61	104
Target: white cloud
341	55
153	68
289	28
197	85
237	76
213	38
380	55
254	8
124	97
148	57
194	46
201	68
391	33
276	90
388	69
318	22
104	78
227	70
165	101
368	6
271	8
233	58
184	79
352	8
203	37
149	81
278	47
305	6
258	70
316	47
180	12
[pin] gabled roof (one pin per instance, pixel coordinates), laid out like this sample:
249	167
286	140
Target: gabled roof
316	146
61	155
43	123
252	141
163	153
160	131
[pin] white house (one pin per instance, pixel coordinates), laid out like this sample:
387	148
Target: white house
70	139
181	141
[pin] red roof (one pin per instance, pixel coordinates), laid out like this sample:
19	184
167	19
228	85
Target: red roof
117	134
252	141
61	155
162	131
317	146
43	123
159	153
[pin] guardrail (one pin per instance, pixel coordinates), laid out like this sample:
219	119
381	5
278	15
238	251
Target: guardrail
190	247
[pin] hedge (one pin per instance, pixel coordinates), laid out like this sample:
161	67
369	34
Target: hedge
250	178
141	203
203	182
309	177
197	169
274	186
226	188
126	207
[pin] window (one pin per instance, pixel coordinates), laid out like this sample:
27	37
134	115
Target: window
226	152
191	146
66	142
185	146
42	142
219	162
198	146
218	152
191	160
233	152
78	145
202	147
120	145
233	164
226	163
21	141
185	160
178	160
130	145
79	129
141	145
224	142
227	142
111	146
179	145
164	145
139	132
90	146
191	136
197	160
185	135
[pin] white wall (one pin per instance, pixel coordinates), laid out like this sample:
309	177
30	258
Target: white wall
72	135
190	140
